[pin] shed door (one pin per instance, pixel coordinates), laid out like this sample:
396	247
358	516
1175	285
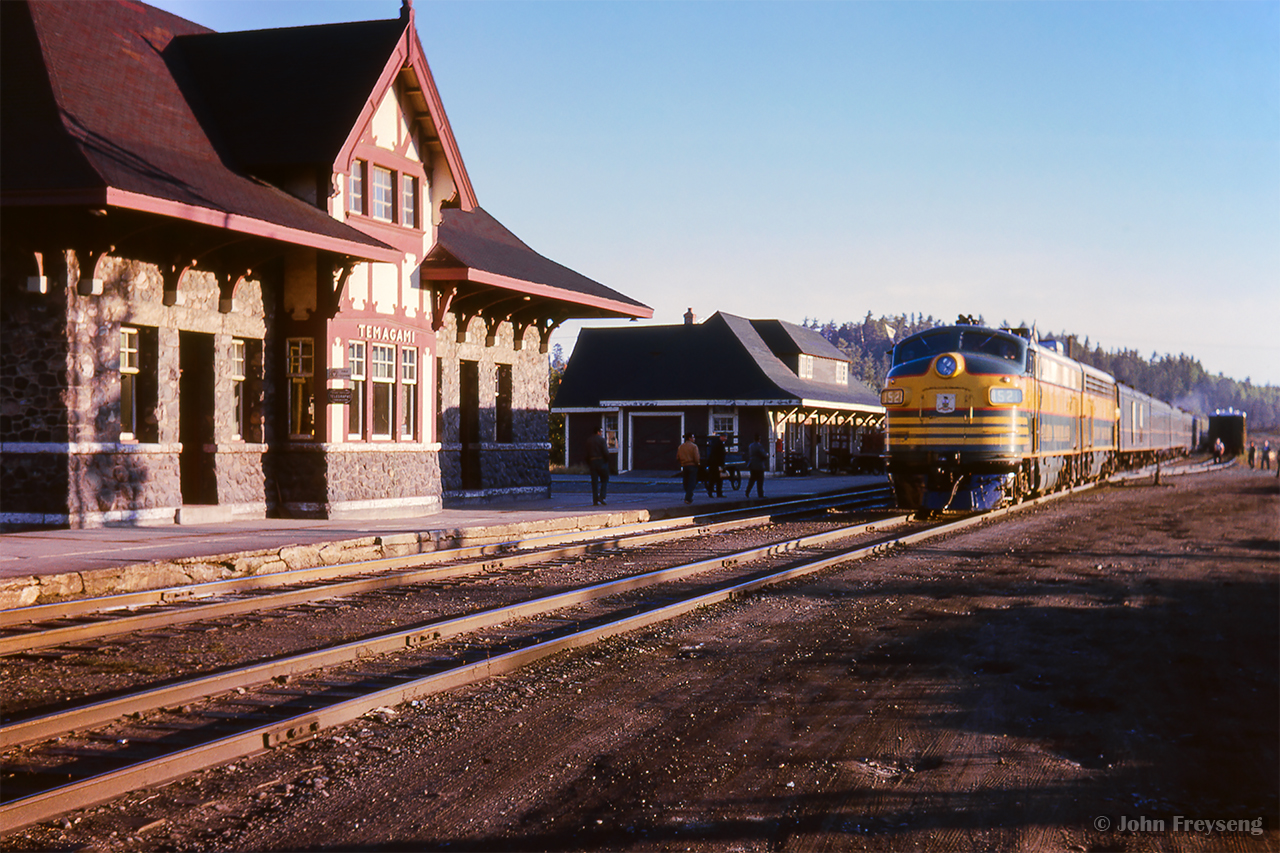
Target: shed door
654	439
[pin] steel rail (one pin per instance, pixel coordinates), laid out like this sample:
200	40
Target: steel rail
165	769
60	722
121	601
389	573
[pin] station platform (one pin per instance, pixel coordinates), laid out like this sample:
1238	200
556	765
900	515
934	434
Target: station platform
37	567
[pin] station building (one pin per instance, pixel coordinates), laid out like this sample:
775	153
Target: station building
246	274
647	386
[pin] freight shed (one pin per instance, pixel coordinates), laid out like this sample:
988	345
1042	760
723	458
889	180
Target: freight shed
647	386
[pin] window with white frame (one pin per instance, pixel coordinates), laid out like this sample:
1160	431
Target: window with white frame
239	401
301	366
355	187
842	373
382	197
383	372
609	424
356	410
409	201
129	368
806	366
409	393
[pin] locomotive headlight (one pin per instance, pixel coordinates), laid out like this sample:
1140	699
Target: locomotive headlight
1005	396
946	365
893	396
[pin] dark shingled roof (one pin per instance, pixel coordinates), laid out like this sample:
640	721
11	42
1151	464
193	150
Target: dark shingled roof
789	339
91	105
722	359
325	74
476	240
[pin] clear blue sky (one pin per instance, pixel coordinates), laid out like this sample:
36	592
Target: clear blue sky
1109	169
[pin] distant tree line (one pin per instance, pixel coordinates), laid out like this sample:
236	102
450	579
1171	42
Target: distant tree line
1179	379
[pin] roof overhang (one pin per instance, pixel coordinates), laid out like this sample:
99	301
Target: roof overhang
520	290
107	197
665	404
790	403
843	407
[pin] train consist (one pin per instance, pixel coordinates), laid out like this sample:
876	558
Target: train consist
977	417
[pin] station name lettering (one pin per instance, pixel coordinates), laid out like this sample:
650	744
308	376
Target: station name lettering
386	333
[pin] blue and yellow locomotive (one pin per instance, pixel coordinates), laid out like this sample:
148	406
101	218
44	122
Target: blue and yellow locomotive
976	417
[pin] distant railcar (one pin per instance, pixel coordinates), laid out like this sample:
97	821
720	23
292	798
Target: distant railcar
1231	427
976	417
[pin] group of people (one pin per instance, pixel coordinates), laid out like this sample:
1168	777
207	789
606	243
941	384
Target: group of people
692	468
1264	459
689	458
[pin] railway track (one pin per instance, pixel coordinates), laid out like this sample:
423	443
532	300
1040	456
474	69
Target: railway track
99	750
25	629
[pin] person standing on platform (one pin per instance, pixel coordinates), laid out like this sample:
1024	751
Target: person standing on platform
715	464
598	463
687	457
1266	455
757	459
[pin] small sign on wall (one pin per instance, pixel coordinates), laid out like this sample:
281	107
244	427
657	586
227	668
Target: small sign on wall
339	396
339	372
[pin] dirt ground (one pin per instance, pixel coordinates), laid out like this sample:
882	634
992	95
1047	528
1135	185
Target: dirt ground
1102	673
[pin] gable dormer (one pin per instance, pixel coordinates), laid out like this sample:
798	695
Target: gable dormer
805	352
400	163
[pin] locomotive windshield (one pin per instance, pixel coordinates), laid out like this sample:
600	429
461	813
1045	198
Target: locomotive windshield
966	339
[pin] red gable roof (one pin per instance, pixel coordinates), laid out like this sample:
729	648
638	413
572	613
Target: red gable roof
93	113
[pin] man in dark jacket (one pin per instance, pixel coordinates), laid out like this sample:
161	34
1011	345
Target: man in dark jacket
598	463
715	463
757	459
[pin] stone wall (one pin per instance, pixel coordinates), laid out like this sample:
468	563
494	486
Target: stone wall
33	484
123	484
328	481
380	474
34	364
61	449
516	468
241	477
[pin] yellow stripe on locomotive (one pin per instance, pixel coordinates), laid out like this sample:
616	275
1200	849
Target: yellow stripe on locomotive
950	407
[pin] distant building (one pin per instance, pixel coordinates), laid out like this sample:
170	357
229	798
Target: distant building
648	385
246	273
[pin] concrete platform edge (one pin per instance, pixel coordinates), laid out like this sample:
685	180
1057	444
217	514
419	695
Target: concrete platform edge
24	591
